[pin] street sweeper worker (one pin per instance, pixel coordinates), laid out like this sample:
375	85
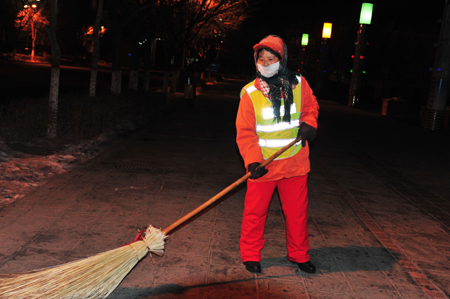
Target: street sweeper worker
276	108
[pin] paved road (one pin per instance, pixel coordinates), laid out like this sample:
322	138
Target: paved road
379	209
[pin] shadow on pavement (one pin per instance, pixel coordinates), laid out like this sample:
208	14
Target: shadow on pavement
140	293
343	259
327	260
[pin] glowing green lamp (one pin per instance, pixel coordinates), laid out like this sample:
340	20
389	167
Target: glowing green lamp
305	39
366	13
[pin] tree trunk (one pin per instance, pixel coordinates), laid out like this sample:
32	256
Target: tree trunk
96	50
116	80
54	80
148	61
93	83
175	80
33	40
53	101
166	82
133	80
147	80
167	65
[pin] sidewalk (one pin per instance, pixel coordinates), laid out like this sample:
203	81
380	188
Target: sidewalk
379	209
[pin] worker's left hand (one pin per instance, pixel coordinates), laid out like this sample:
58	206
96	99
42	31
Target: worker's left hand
306	132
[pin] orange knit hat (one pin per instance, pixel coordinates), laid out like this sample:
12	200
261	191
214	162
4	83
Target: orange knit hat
272	42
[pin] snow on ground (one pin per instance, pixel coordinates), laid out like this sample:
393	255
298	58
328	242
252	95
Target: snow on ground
22	172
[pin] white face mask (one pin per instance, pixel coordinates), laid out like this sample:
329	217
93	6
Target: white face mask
270	70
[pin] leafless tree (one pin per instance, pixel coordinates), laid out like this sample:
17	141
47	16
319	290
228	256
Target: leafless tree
188	23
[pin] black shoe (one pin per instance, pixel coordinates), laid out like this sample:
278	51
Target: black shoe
253	267
307	267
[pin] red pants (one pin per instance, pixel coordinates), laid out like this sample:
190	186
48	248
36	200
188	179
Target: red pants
294	201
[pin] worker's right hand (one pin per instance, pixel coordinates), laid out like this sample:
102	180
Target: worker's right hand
255	171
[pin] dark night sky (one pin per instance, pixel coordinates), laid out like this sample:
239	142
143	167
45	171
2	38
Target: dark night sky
419	16
415	21
402	38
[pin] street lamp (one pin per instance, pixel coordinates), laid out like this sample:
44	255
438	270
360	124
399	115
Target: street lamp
360	52
304	43
366	13
305	39
437	98
326	34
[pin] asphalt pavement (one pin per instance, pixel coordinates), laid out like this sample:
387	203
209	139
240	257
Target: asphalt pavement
379	198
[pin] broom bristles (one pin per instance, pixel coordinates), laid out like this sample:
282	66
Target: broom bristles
93	277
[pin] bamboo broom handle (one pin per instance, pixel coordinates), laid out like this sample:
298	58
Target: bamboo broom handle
225	191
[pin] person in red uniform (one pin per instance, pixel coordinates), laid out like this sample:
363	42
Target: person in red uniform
275	108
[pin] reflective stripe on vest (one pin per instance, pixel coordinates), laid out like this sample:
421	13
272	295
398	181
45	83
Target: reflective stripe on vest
278	126
272	135
276	142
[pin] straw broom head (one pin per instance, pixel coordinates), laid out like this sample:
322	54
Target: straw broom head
93	277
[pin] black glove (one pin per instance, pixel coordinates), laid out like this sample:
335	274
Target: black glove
307	132
256	173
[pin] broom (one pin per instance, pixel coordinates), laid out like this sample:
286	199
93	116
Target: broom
97	276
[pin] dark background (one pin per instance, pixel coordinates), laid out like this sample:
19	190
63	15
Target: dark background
399	60
400	56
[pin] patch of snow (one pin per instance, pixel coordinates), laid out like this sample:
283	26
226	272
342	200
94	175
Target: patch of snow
21	173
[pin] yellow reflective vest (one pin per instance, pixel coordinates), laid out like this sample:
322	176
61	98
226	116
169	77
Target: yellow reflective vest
272	135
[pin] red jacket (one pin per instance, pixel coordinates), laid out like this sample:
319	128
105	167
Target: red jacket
247	138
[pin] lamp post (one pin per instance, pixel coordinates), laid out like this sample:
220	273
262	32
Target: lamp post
437	97
304	43
360	52
326	34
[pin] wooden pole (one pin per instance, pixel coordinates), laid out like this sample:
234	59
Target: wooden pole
225	191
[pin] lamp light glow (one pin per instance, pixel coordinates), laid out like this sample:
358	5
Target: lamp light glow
326	33
366	13
305	39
